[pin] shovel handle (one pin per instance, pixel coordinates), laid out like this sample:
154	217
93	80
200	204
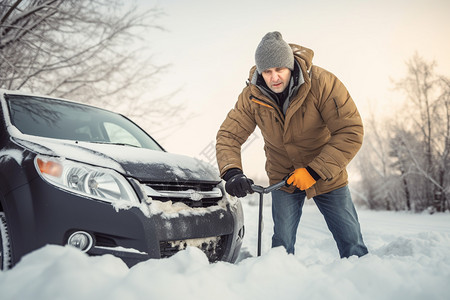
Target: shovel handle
261	191
270	188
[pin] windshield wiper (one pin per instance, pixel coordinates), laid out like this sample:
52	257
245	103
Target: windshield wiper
111	143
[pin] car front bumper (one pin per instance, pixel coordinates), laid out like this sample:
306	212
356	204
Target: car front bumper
126	233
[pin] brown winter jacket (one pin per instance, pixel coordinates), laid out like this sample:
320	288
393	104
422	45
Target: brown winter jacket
322	128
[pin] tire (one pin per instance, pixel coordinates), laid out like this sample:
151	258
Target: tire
5	246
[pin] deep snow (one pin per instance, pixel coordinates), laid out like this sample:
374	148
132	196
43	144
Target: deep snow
409	259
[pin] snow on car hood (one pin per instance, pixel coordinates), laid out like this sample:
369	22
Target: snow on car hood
140	163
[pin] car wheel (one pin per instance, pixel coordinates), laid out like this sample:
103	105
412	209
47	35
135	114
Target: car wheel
5	247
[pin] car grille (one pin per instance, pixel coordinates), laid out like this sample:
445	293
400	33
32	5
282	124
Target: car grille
213	247
193	195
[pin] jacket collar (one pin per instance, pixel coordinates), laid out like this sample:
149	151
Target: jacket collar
297	79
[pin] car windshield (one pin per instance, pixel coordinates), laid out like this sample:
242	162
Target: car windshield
60	119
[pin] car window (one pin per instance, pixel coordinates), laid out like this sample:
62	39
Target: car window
60	119
119	135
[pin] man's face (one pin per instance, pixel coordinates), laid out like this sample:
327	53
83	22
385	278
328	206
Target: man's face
277	79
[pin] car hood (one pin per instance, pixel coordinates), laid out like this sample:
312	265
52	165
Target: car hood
142	164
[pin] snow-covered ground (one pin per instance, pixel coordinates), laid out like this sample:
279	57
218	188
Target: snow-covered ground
409	259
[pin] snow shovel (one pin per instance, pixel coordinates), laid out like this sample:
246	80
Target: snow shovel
261	191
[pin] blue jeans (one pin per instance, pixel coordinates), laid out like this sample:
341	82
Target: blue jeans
336	207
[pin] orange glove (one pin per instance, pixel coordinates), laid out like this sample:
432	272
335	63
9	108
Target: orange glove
301	179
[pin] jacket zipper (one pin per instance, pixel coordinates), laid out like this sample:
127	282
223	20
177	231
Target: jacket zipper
267	104
337	107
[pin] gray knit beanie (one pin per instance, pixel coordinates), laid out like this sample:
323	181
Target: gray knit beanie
273	52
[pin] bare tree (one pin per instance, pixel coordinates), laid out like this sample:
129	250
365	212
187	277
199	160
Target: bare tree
404	162
95	51
407	152
429	121
379	181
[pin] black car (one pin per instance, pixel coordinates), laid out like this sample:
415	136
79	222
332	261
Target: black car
74	174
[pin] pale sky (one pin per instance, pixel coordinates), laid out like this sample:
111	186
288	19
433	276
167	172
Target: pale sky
211	46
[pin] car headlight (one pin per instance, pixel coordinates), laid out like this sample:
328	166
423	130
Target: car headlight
94	182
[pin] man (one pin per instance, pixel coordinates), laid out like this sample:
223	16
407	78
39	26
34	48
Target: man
311	129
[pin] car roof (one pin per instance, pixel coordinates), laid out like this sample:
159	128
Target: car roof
20	93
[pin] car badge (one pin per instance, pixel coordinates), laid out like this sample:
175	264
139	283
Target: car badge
195	196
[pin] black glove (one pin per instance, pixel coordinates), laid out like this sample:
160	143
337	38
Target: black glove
237	183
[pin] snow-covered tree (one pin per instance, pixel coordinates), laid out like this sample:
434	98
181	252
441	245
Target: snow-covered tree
404	162
428	104
93	51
